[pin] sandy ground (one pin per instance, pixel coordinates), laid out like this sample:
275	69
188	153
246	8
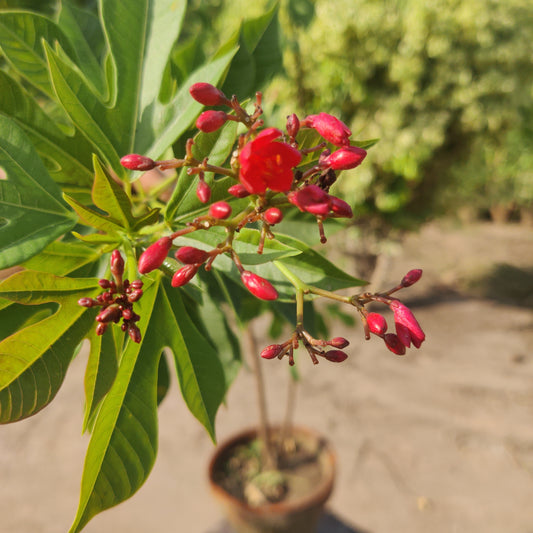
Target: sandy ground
438	441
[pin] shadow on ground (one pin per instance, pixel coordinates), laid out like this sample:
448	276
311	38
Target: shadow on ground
329	523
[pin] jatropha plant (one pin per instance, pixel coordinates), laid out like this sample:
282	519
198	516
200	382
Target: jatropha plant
166	275
266	168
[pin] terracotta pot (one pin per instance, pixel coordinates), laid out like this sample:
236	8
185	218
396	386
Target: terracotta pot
297	514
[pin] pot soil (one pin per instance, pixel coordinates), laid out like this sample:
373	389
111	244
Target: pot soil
288	499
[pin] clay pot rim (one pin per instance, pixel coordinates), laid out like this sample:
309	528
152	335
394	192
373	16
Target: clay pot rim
319	495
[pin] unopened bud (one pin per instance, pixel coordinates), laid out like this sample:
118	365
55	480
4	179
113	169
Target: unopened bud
339	342
272	351
258	286
191	255
340	207
220	210
203	192
376	323
293	125
127	314
87	302
330	128
135	333
117	264
154	255
273	215
104	283
209	121
100	328
411	277
310	198
136	284
344	159
184	275
109	314
137	162
135	295
239	191
336	356
394	344
207	94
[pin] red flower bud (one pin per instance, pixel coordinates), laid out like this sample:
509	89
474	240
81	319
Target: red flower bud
117	264
258	286
209	121
329	127
394	344
376	324
273	215
137	162
127	314
136	284
239	191
336	356
312	199
135	333
87	302
407	327
411	277
104	283
272	351
109	314
191	255
220	210
293	125
184	275
344	159
154	255
339	342
207	94
100	328
340	207
203	192
135	295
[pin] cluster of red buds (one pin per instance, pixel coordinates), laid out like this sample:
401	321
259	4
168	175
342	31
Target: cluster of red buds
266	166
117	300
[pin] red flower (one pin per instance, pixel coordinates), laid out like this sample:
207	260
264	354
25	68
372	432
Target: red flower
312	199
329	127
267	164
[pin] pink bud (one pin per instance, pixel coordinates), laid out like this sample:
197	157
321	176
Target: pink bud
272	351
239	191
293	125
154	255
344	159
191	255
376	323
117	264
340	207
104	283
136	284
394	344
336	356
203	192
339	342
411	277
86	302
330	128
109	314
184	275
209	121
207	94
312	199
220	210
137	162
273	215
407	327
258	286
100	328
127	314
135	295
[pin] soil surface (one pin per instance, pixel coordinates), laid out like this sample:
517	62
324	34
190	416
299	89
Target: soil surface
440	440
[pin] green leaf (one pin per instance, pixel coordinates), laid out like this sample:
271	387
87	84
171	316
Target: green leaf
92	218
123	445
100	373
67	158
32	213
22	34
34	360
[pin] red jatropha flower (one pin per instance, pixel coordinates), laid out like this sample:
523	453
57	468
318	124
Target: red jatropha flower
407	327
267	163
329	127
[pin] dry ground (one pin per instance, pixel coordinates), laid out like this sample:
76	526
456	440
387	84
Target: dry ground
438	441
